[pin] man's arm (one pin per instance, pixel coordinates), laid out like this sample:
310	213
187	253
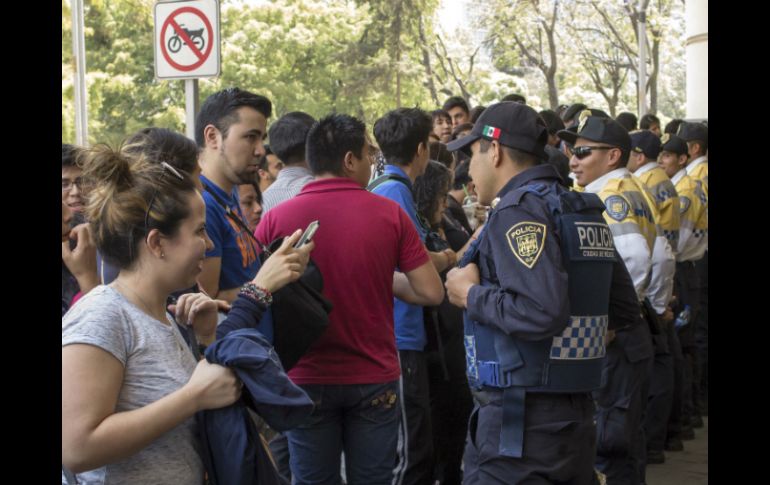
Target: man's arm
208	281
421	286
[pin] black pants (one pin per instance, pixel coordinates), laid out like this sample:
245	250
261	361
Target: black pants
559	438
620	438
687	288
450	404
414	457
702	333
661	390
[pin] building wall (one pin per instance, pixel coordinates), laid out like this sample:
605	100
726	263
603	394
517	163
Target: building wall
696	22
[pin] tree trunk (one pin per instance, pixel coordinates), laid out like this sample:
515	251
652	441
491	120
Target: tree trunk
426	64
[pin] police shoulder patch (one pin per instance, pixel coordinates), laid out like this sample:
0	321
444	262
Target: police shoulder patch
684	204
617	207
526	240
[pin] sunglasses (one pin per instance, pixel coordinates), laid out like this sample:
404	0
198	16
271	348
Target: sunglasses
582	152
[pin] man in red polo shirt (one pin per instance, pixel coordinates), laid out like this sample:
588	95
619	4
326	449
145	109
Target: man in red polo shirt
351	372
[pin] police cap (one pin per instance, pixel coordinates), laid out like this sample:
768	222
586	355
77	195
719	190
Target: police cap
514	125
646	142
600	130
674	144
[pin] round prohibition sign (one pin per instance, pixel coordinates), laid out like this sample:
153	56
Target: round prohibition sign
182	33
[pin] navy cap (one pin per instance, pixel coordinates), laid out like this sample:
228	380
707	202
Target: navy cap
674	144
512	124
598	129
646	142
693	131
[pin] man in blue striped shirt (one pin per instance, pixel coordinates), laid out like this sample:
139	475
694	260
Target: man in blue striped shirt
287	140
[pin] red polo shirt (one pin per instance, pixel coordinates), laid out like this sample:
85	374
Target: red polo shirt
361	239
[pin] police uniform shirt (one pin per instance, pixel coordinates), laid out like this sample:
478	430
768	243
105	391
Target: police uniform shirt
698	170
666	199
631	223
521	257
693	232
663	262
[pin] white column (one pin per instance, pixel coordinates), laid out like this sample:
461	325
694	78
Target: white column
696	29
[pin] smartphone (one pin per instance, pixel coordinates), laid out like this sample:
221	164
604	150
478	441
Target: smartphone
308	234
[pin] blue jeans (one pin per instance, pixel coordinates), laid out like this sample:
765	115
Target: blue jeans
362	420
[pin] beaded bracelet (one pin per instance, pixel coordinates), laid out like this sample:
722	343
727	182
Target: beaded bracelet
256	293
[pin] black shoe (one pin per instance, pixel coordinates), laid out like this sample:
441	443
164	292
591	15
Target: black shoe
697	422
673	444
687	434
655	457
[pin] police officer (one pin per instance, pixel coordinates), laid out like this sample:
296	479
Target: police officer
693	240
645	147
599	157
536	287
697	137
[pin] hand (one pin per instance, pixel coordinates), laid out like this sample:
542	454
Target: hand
81	261
610	336
451	257
667	316
200	312
284	265
459	282
480	213
213	386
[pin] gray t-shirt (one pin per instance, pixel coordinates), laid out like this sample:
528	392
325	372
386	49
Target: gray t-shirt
157	362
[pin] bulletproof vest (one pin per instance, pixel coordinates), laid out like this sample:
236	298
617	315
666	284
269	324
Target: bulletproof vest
572	361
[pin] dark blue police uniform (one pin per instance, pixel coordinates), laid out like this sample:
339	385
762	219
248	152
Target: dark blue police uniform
535	332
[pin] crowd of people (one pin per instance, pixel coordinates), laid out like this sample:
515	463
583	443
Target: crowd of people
511	296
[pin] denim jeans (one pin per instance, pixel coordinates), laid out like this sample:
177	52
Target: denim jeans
359	419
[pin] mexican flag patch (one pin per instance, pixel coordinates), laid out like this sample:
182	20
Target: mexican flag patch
491	132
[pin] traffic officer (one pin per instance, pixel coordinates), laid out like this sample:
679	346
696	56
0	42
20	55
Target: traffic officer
599	157
540	286
693	240
645	147
697	137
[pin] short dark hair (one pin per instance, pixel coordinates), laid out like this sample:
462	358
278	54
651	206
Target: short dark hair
220	108
627	120
330	139
439	153
440	113
516	98
518	156
164	145
288	136
462	175
672	127
454	102
476	112
431	188
552	121
648	120
400	132
69	154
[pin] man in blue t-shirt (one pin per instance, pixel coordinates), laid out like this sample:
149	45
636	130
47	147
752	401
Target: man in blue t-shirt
402	135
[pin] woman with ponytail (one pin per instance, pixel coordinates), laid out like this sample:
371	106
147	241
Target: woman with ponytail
130	384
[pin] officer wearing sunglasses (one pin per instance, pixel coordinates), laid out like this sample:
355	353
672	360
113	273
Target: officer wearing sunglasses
601	150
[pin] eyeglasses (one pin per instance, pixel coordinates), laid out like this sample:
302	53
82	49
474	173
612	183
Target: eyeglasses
81	182
585	150
155	194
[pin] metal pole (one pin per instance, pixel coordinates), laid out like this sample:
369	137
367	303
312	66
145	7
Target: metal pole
642	57
81	93
191	106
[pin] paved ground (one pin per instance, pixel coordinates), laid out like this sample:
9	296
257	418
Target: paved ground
688	467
